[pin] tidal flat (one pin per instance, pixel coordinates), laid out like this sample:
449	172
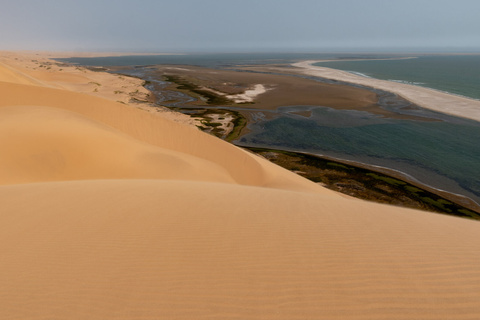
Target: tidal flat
328	118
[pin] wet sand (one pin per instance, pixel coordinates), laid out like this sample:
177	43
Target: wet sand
234	81
282	90
284	87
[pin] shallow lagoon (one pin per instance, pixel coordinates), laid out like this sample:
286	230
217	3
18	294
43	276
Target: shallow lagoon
442	153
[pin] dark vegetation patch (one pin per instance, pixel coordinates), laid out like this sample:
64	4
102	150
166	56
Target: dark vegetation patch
211	98
363	183
209	125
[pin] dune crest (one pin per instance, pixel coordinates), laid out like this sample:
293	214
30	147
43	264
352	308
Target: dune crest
51	144
111	212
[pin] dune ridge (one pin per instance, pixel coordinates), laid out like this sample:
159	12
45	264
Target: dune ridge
111	212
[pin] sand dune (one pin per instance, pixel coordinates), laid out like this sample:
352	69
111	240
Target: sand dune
111	212
50	144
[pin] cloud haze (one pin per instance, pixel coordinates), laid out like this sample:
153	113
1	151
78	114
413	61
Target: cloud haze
232	25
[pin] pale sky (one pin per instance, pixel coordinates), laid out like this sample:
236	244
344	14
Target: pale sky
239	25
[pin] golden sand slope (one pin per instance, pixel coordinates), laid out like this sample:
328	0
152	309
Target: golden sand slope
110	212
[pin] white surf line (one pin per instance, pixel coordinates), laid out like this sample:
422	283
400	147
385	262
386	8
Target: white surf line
366	59
425	97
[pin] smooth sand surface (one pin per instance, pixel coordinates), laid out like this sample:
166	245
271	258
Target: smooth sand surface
424	97
111	212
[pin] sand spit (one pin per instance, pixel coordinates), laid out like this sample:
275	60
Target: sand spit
111	212
424	97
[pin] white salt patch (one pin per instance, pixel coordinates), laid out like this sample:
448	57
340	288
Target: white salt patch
249	95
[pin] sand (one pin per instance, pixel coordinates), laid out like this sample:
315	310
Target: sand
37	68
424	97
270	91
249	95
108	211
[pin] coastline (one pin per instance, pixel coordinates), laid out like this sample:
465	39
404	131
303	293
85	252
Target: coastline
369	182
140	103
213	117
112	211
367	59
424	97
455	197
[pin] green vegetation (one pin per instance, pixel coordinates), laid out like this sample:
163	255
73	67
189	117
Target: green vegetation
215	128
97	69
364	183
338	165
468	213
388	180
239	123
210	97
412	189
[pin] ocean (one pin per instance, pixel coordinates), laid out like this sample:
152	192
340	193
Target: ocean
443	154
457	74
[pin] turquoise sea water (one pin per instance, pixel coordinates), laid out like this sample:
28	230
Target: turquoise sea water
444	153
457	74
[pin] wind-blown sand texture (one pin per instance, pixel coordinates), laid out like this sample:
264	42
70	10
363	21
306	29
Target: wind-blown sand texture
111	212
424	97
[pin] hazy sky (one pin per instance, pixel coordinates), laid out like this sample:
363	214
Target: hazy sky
238	25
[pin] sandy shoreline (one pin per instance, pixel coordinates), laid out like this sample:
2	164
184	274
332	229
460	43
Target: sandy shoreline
455	197
109	211
285	89
424	97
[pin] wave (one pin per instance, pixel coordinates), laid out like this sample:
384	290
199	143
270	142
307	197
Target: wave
360	74
408	82
413	83
425	85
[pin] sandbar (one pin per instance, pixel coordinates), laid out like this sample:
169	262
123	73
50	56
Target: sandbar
424	97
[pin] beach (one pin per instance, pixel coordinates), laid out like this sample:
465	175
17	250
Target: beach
111	209
424	97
